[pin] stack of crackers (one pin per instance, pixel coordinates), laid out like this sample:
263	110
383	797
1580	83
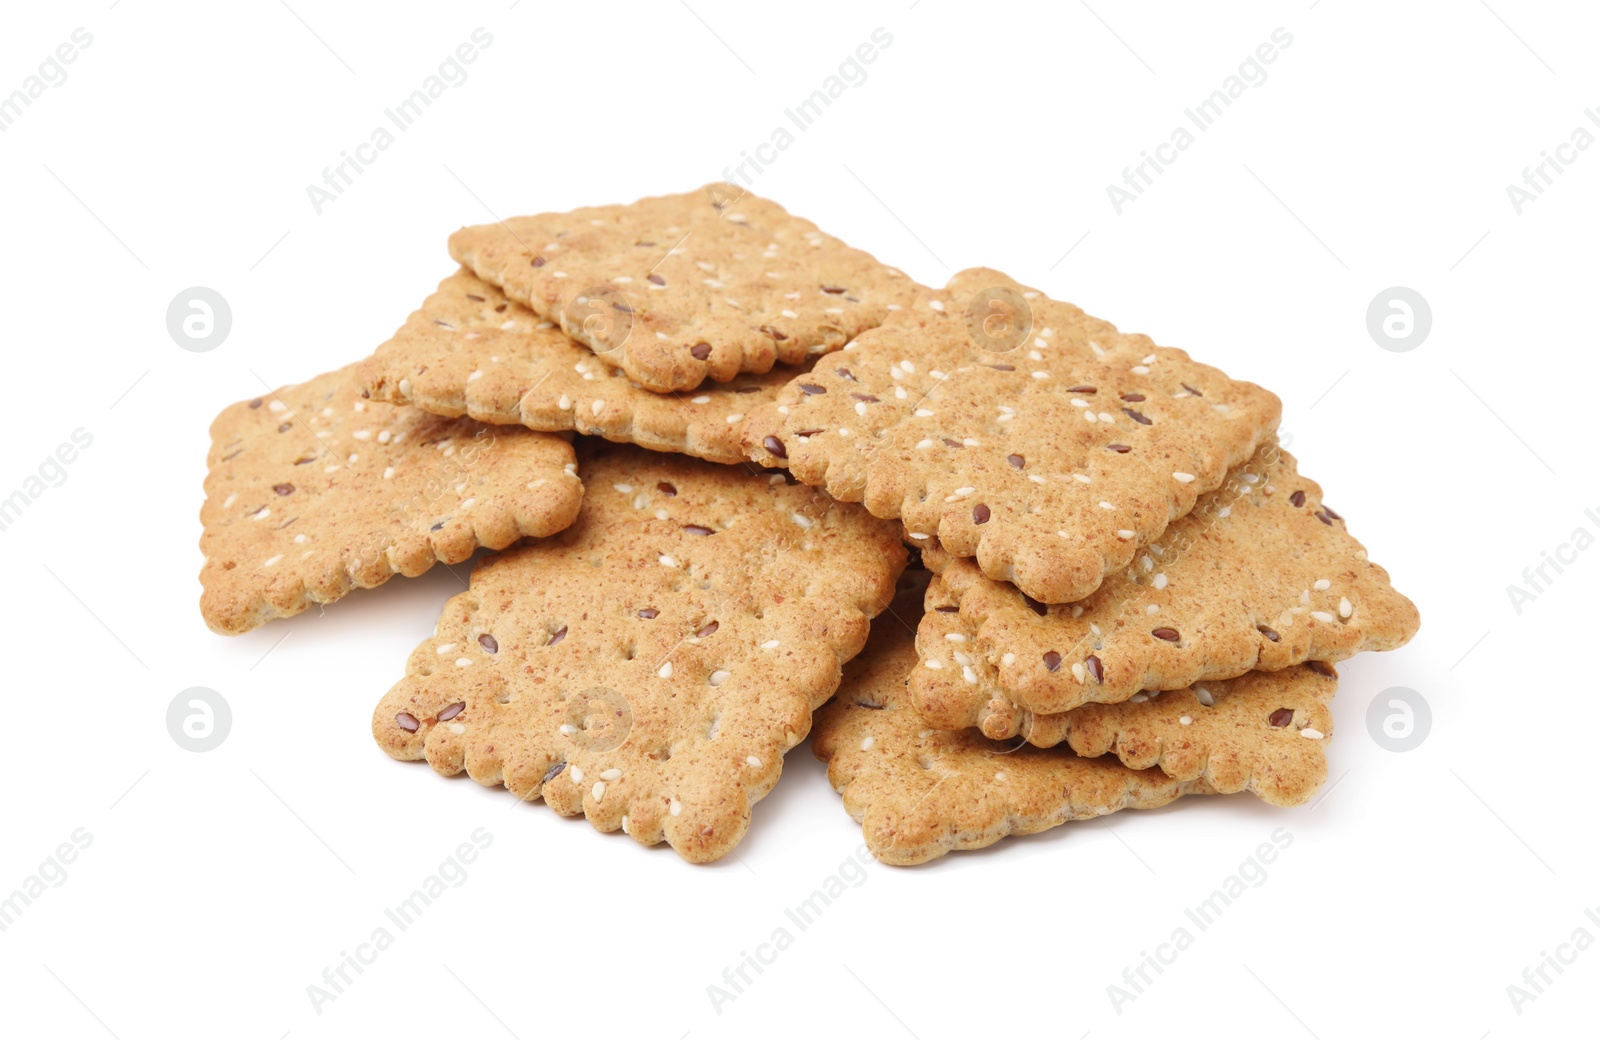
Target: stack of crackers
1006	565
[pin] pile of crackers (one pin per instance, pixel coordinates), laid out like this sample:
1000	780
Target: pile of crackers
1004	564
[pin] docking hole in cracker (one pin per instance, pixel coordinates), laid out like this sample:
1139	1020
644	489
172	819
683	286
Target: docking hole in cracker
650	666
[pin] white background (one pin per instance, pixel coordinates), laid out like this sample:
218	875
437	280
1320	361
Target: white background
1377	152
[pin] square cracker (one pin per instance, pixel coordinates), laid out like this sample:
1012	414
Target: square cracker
1017	430
313	490
1260	575
677	289
650	666
470	350
919	793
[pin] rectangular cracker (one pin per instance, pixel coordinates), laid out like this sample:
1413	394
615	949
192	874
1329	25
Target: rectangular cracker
649	666
1260	575
311	491
470	350
1017	430
677	289
919	793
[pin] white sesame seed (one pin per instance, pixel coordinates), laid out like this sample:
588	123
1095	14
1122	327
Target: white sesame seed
1153	608
1041	375
272	560
866	745
598	791
968	674
384	437
1183	478
463	662
1159	581
667	561
405	388
925	443
918	535
771	644
576	774
923	413
936	305
1345	609
1141	370
1107	505
597	407
567	729
1322	615
1322	585
445	648
1203	695
362	435
457	728
1008	659
1185	720
861	408
718	677
1125	535
701	399
1079	673
752	761
1311	734
675	808
388	473
803	520
955	637
965	490
565	402
735	417
611	774
933	663
665	671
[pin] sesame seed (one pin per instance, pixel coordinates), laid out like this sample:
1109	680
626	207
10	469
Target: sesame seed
1345	609
445	648
1008	660
667	561
1203	695
567	729
388	473
611	774
576	774
771	644
565	402
665	671
675	808
933	663
1311	734
1322	585
1079	673
598	790
718	677
968	674
1183	478
457	728
955	637
463	662
936	305
752	761
923	413
1160	581
1185	720
1322	615
1107	505
1141	370
1125	535
925	443
735	417
1041	375
272	560
702	399
866	745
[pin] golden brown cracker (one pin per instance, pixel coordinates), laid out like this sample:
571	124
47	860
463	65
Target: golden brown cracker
677	289
1017	430
470	350
649	667
313	490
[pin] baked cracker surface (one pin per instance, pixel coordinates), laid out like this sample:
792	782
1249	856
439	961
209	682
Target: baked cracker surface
919	793
1260	575
649	667
312	490
470	350
1015	429
677	289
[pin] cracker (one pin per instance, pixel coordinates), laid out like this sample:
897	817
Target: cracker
1050	456
312	491
650	666
678	289
1260	575
919	793
472	351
